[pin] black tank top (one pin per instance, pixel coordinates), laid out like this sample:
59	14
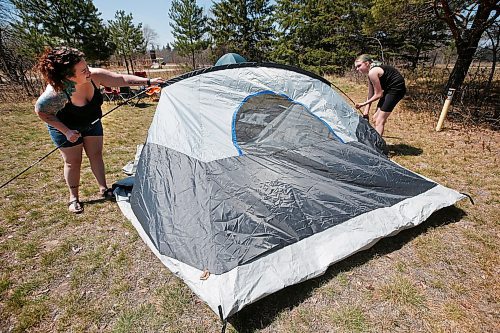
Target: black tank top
80	117
392	81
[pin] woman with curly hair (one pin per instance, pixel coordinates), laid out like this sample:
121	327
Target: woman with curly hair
385	84
69	104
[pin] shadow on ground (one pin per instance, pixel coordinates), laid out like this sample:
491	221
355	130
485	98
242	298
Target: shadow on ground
403	150
261	314
141	104
95	201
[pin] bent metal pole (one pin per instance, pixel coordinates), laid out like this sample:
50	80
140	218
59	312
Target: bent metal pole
444	111
91	124
352	101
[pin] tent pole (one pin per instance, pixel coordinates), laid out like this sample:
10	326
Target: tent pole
353	103
56	148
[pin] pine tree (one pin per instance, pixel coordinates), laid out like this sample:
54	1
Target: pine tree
244	27
74	23
406	28
189	28
127	37
319	35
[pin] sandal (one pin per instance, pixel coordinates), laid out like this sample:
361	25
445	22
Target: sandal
75	206
108	194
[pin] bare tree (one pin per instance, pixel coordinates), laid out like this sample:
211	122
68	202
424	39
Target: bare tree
494	39
150	36
15	68
467	20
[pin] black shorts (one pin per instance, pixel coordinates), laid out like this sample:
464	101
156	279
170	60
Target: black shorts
60	140
387	102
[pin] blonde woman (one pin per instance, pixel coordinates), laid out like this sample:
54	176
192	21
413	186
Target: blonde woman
385	84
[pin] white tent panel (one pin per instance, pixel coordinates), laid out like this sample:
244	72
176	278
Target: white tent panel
196	114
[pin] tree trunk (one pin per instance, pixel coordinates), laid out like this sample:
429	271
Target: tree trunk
2	55
126	64
494	48
414	61
459	72
192	58
132	64
466	37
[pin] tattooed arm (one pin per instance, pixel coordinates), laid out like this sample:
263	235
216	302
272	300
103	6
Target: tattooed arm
111	79
46	107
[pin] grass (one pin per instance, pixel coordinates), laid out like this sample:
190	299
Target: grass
350	319
403	292
92	273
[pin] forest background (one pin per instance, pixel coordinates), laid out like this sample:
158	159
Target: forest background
438	44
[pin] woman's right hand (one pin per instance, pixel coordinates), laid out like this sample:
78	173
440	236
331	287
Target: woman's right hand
72	135
157	81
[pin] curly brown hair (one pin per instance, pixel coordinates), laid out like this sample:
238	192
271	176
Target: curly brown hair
57	64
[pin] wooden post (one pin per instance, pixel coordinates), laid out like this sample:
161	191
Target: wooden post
444	111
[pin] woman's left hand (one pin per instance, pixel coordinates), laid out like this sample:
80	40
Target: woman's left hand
359	105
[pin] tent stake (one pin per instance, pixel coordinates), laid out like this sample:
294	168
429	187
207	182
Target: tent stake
444	111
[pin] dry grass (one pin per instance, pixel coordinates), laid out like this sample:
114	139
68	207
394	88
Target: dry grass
92	273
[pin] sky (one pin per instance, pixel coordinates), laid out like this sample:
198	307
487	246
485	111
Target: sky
152	13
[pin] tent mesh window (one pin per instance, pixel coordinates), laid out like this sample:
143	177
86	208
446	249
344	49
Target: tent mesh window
267	122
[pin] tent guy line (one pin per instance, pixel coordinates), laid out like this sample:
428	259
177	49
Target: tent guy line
145	91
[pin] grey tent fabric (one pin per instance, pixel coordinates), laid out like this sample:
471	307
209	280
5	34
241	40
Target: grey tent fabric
262	176
293	180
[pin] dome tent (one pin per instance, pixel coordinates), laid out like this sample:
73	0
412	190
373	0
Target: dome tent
230	58
254	177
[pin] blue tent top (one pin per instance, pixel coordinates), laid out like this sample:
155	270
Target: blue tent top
230	58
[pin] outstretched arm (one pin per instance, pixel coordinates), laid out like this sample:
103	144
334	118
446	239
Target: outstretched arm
112	79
